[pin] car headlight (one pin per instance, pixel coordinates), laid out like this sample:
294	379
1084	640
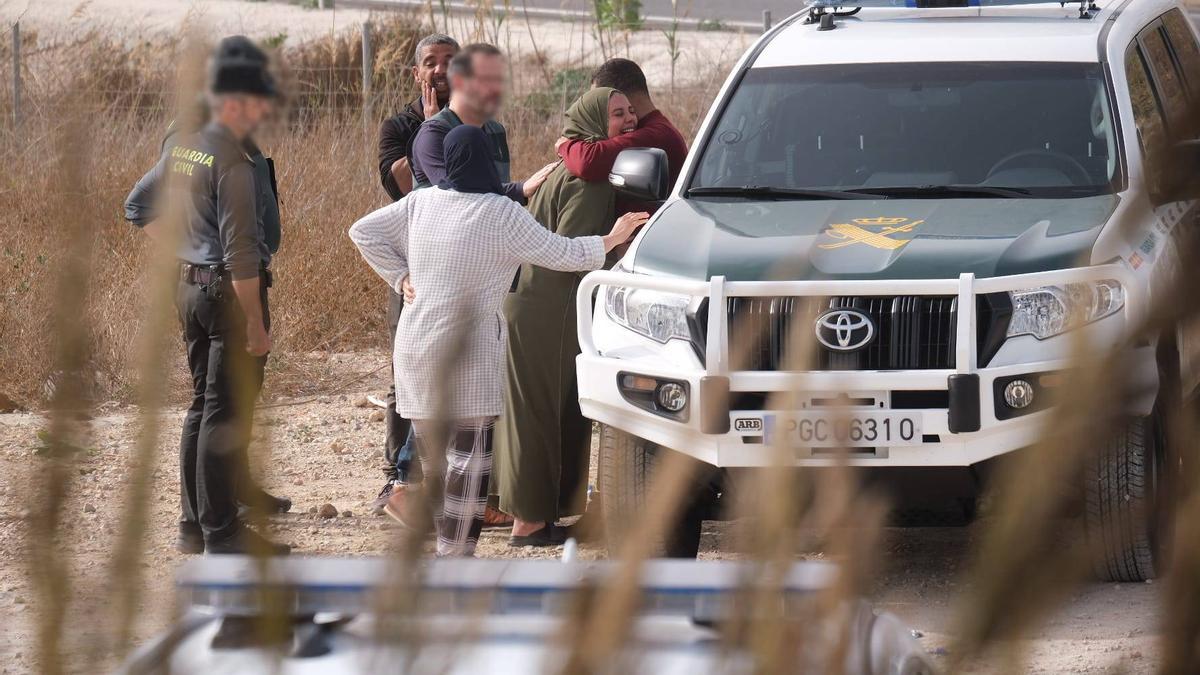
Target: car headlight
1052	310
659	316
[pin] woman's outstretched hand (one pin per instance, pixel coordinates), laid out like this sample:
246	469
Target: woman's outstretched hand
410	293
624	228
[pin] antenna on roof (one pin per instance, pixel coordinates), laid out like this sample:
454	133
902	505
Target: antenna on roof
1086	8
824	14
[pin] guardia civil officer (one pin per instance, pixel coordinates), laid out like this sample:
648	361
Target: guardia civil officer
208	183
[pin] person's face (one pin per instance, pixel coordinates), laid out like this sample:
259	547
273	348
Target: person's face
252	111
431	68
621	117
484	91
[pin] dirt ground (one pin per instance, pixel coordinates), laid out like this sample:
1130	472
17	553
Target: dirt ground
326	449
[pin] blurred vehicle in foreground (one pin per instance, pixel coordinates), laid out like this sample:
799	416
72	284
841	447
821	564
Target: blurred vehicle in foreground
341	615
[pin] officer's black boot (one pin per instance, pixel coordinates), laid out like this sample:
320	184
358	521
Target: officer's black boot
246	542
191	538
263	502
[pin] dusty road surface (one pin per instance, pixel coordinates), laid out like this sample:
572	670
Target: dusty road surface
325	449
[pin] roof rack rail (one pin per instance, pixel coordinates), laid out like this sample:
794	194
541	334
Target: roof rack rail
825	11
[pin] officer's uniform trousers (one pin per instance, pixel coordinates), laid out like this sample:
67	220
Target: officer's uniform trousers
226	381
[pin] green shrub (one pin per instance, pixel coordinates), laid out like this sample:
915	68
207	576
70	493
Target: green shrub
567	86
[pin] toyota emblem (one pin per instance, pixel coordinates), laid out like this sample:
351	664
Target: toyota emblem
845	330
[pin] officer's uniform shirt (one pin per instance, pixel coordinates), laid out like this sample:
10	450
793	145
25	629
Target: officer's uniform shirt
224	202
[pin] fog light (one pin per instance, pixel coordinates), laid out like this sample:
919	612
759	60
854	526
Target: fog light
672	397
1018	394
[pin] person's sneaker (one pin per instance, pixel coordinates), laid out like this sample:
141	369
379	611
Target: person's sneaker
382	499
397	506
495	519
191	538
246	542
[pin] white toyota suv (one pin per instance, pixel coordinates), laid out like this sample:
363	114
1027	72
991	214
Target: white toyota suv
931	199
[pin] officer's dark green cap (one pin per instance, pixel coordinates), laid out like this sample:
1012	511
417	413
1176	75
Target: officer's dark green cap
239	66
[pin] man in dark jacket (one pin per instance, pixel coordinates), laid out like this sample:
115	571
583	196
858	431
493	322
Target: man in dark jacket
209	179
433	56
478	82
431	61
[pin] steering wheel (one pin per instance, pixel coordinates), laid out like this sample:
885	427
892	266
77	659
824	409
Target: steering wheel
1066	161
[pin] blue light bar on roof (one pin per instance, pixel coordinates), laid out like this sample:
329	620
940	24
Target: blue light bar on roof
929	4
241	586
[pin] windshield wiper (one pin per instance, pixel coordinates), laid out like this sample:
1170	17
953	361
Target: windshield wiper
941	191
779	192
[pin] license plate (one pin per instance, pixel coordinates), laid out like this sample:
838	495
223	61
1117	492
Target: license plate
842	429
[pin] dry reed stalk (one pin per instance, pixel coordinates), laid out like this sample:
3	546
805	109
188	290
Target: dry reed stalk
127	588
596	641
1026	565
48	565
779	501
399	609
1023	566
1181	616
1181	593
1181	613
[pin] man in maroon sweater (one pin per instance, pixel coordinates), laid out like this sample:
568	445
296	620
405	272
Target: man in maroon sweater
593	161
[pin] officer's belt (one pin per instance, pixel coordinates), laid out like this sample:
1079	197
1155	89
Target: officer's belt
206	275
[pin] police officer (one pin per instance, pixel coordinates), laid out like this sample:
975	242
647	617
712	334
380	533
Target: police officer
222	202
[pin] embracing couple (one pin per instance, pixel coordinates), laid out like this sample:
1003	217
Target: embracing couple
455	248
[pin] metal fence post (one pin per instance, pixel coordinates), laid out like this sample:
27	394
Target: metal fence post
16	84
368	65
766	20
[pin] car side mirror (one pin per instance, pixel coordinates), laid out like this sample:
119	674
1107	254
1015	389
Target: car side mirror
641	174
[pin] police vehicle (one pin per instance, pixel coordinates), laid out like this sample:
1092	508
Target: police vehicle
940	197
295	616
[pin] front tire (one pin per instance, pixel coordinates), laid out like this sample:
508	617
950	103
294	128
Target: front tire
627	465
1122	506
626	468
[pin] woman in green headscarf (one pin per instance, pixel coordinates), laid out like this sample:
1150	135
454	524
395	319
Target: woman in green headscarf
543	441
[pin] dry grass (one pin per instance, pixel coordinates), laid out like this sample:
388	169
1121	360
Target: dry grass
325	299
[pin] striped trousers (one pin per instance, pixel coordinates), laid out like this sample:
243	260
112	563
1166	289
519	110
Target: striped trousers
461	470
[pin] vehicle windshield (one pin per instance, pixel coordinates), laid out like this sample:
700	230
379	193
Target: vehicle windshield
914	130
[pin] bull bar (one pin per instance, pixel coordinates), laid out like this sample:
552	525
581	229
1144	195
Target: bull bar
716	374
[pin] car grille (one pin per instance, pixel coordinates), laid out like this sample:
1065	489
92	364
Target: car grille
912	332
